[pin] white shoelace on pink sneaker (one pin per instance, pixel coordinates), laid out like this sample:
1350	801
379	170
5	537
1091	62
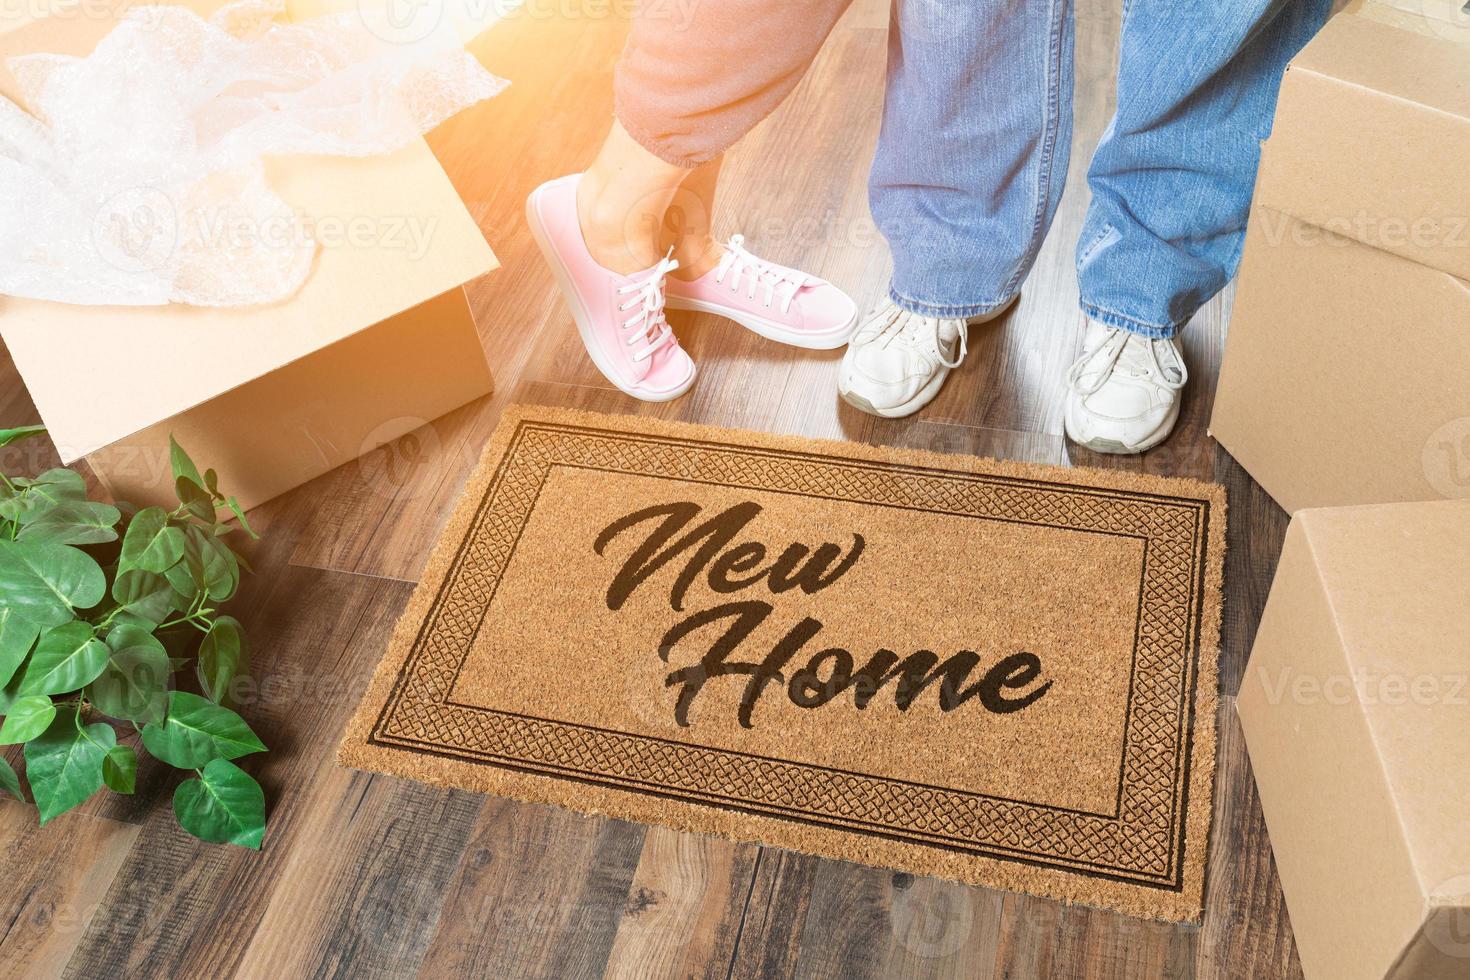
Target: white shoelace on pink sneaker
648	325
778	281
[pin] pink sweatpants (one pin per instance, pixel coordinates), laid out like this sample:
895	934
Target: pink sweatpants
697	75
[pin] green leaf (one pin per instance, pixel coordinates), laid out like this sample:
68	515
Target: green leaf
120	769
27	718
64	765
187	577
9	781
220	654
183	466
224	806
9	694
239	513
218	572
151	543
45	582
17	636
46	491
197	731
67	658
74	522
134	683
195	499
145	597
7	436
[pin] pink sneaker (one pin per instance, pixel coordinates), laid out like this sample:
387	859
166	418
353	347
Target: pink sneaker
781	304
620	318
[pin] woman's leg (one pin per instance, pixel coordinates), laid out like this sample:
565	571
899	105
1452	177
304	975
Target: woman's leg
690	84
684	92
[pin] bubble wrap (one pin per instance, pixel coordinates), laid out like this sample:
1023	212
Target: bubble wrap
136	178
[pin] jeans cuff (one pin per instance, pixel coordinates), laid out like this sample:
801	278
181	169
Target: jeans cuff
1128	323
947	312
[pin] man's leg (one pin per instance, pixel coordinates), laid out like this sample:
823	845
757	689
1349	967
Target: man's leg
1172	178
971	162
1171	187
972	157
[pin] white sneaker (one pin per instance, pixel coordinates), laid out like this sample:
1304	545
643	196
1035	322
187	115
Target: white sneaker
897	361
1123	392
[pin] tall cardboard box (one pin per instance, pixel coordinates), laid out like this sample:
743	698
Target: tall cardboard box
1356	711
1346	375
379	341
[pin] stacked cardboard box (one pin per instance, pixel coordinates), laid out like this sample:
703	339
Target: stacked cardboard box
1346	377
1346	381
1356	710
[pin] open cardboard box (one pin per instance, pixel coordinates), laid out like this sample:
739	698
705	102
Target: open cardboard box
1345	373
1356	712
379	341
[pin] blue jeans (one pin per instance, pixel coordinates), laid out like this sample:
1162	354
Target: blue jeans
977	130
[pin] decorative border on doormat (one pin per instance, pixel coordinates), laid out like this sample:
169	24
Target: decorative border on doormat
1146	857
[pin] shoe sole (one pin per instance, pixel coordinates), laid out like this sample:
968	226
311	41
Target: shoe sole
770	329
579	313
925	394
1112	447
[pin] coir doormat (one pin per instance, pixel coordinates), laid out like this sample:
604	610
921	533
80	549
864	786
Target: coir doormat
993	672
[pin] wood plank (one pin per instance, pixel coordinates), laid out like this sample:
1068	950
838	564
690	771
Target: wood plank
55	878
181	907
869	922
684	907
361	892
1246	931
539	894
770	934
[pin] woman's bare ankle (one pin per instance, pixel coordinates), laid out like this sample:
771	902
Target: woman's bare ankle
697	255
606	227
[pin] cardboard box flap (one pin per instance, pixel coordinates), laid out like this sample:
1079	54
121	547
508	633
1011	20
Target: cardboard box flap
400	236
1397	578
392	234
1371	126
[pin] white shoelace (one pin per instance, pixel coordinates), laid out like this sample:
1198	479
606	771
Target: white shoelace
913	333
778	281
1140	360
648	325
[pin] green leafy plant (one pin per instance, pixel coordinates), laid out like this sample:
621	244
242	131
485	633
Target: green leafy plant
100	607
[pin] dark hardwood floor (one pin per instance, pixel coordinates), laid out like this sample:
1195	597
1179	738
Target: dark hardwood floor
365	875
